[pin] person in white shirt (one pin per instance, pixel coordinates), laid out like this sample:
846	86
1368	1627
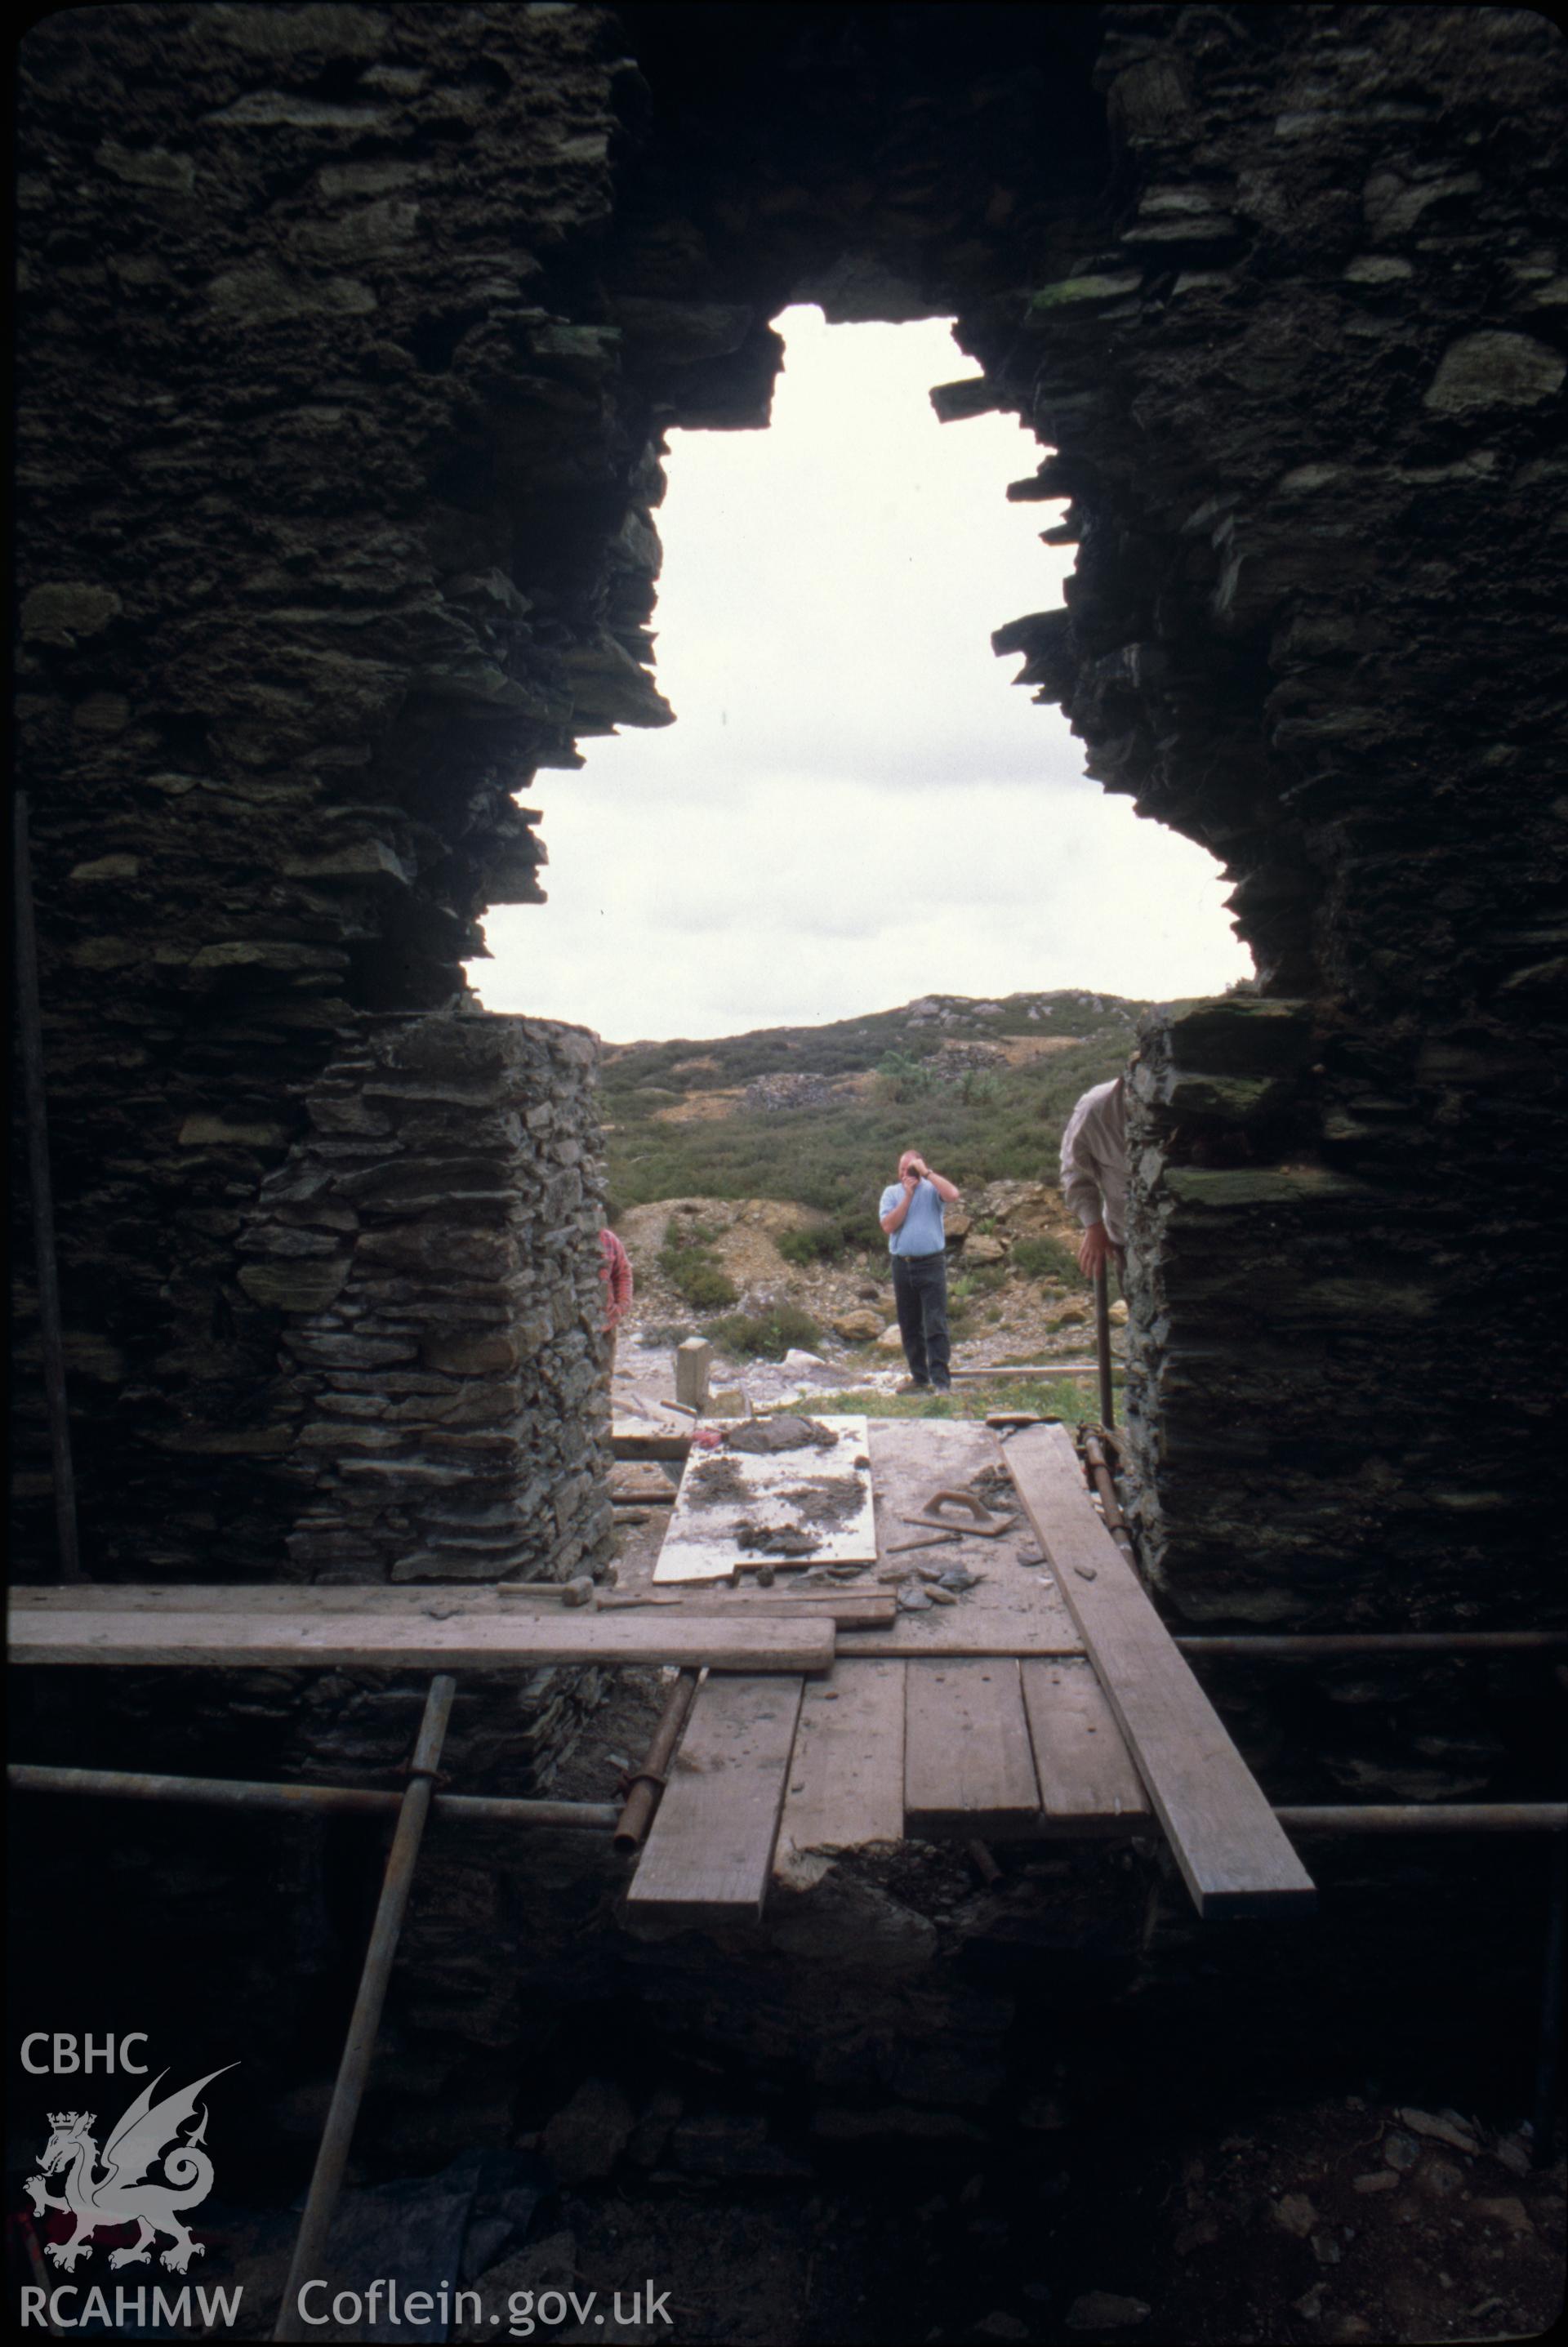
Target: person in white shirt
1094	1174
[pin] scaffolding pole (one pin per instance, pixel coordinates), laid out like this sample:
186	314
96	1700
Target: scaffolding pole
338	1800
1102	1344
353	2070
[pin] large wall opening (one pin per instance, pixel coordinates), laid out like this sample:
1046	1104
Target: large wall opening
852	809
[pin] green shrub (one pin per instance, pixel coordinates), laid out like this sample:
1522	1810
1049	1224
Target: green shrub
704	1285
693	1269
902	1077
1045	1258
769	1335
824	1243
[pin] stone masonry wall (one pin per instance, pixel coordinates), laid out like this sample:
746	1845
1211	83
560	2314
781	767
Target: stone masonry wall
433	1245
1305	393
348	338
307	435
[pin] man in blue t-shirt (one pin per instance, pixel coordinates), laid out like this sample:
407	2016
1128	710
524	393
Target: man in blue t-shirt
911	1215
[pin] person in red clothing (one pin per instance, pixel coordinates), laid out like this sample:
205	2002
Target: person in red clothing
615	1270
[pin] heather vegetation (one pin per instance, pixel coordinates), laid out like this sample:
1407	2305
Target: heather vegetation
889	1080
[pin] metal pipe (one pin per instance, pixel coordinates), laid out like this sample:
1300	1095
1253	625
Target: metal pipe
1303	1647
29	1017
1431	1817
350	1800
984	1865
1102	1344
353	2070
1104	1483
1549	2050
648	1781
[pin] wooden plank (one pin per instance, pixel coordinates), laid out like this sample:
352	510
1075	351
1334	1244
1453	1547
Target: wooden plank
967	1765
847	1775
710	1850
850	1608
414	1601
1087	1780
409	1600
969	1629
641	1482
517	1639
629	1441
1234	1856
825	1492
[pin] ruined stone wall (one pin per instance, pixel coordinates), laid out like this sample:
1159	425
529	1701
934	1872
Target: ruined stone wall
304	432
433	1245
1306	392
348	338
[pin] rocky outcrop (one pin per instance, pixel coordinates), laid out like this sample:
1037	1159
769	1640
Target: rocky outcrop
798	1089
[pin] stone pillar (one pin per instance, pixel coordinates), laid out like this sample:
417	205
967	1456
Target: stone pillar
1229	1402
1316	1430
432	1245
694	1361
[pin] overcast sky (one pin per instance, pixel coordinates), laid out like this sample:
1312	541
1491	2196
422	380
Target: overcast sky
855	806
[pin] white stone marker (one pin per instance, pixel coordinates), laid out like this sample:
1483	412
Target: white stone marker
693	1361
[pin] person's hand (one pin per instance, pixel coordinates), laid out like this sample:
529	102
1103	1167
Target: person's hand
910	1179
1094	1249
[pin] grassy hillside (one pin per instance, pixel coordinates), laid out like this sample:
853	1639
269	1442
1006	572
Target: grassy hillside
896	1087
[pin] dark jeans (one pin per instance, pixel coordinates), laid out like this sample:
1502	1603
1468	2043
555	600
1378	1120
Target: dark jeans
920	1298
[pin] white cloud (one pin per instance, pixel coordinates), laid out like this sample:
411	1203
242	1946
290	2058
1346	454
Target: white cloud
855	806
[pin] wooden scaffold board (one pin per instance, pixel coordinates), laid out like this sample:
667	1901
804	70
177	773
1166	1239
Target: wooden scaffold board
710	1850
1232	1851
519	1638
967	1765
1088	1784
846	1773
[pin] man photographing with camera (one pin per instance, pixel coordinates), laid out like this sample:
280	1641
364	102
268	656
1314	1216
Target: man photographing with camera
911	1215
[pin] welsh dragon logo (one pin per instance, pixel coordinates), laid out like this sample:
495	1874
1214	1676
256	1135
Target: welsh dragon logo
119	2196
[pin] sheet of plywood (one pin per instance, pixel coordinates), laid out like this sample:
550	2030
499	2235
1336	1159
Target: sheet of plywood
517	1639
823	1491
1230	1850
846	1776
710	1850
967	1765
1013	1608
1087	1781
